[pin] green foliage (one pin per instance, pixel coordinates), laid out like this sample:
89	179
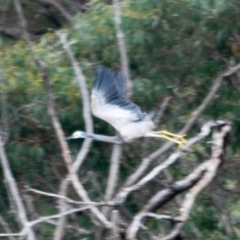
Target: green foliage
175	48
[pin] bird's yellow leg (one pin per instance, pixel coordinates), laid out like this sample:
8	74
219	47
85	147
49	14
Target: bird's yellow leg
179	139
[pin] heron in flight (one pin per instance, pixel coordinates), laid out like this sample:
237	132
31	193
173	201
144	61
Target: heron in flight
109	102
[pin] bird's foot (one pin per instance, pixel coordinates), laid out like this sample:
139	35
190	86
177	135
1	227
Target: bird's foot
179	139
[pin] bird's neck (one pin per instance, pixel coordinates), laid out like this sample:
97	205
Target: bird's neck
104	138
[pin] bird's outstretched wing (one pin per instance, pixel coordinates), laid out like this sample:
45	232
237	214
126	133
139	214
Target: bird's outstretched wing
109	101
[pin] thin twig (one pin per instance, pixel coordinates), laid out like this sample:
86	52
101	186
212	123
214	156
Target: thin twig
69	200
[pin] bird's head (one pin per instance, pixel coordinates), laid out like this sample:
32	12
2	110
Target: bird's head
76	135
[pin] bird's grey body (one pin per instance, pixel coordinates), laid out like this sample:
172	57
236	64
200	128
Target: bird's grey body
109	103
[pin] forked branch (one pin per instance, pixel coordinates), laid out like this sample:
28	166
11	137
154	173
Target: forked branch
195	182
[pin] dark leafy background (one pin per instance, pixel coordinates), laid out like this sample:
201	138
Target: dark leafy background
175	48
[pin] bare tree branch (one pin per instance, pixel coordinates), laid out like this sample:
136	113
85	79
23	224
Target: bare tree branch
195	182
85	99
69	200
116	152
113	172
123	193
63	206
117	149
88	126
111	186
115	220
178	200
122	45
13	189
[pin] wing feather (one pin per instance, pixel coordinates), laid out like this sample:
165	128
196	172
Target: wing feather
109	102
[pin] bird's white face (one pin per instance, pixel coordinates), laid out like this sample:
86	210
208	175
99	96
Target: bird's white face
77	134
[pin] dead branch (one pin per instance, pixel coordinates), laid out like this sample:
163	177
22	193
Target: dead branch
113	172
178	200
69	200
63	206
195	182
115	220
111	187
121	44
205	130
117	149
15	195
